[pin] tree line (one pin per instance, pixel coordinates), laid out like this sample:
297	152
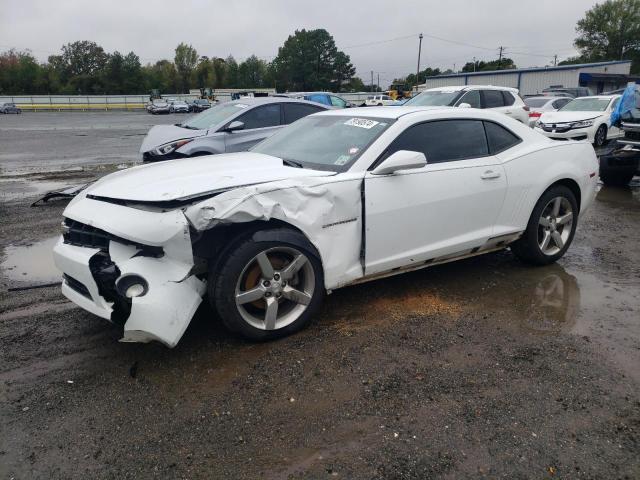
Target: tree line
308	60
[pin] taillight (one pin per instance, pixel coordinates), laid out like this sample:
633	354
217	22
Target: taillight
535	114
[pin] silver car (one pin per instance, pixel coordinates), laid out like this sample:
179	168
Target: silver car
178	106
228	127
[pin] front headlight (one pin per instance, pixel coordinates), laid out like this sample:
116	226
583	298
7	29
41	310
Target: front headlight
167	148
582	124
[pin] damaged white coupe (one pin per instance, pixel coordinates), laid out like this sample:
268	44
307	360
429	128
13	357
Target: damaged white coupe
334	199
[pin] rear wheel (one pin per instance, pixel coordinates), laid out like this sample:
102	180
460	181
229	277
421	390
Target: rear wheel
269	285
550	229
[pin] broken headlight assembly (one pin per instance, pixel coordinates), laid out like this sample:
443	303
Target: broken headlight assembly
168	148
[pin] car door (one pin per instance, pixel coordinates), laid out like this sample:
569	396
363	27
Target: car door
259	123
448	207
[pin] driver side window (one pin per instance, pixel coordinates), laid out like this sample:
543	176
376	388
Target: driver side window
261	117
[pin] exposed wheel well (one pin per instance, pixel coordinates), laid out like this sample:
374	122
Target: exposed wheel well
571	185
214	243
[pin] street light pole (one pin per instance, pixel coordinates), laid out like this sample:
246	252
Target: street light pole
418	69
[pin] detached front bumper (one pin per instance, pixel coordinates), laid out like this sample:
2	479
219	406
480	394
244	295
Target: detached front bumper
95	264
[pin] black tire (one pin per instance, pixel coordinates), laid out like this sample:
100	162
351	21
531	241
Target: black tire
527	247
230	272
600	137
616	178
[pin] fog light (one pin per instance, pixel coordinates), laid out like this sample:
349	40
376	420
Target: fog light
131	286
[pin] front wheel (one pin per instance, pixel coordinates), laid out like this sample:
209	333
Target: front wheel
269	285
600	137
551	227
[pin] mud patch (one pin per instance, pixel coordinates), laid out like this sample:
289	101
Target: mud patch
31	263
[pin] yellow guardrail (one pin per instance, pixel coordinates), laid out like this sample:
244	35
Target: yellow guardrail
81	106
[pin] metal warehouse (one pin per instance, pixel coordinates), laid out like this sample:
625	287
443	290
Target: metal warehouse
598	77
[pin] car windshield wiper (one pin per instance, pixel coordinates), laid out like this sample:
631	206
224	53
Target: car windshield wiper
292	163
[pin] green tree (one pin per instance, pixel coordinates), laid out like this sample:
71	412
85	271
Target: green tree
204	75
252	73
231	73
185	60
610	31
310	60
410	79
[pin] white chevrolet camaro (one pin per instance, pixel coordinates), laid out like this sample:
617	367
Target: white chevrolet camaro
337	198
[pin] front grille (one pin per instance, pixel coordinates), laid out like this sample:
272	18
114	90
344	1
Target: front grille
552	127
83	235
77	286
630	135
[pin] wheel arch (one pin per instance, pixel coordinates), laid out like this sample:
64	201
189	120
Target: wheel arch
229	235
571	185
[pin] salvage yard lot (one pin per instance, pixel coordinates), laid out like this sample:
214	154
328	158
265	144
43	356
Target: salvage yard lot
482	368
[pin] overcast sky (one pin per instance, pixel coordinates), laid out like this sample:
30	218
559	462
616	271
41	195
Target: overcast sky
531	32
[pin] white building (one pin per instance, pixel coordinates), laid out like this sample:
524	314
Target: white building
598	77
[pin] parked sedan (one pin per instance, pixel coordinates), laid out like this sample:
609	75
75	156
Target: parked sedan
584	118
500	99
9	108
336	198
158	106
542	104
200	104
178	106
228	127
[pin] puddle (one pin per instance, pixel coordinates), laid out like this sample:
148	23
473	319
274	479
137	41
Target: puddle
30	263
13	190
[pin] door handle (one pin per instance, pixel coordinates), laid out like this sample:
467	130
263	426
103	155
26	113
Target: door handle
489	174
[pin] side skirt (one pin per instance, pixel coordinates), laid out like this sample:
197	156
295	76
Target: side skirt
492	245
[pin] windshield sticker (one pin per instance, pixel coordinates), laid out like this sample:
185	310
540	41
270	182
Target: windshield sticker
241	105
361	122
342	159
353	150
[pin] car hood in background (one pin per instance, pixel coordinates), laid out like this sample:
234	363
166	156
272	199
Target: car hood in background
161	134
564	117
188	178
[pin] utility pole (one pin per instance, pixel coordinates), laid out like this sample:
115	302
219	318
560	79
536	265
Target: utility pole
372	80
418	69
500	58
454	68
555	60
474	64
378	81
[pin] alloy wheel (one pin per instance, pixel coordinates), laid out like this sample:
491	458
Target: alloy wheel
555	226
275	288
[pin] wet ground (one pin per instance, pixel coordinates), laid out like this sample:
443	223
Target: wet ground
483	368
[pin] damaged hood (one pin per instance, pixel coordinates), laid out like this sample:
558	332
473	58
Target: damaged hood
188	178
161	134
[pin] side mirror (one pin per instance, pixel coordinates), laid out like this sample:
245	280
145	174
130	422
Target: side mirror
235	125
464	105
400	160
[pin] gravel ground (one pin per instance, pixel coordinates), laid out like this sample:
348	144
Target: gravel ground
484	368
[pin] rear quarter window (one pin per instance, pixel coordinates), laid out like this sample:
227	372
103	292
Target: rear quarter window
499	138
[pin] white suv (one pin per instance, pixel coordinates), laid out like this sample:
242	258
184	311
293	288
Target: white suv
379	100
501	99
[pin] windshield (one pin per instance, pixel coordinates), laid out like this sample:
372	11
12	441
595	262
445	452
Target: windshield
324	142
586	105
434	98
214	115
536	102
